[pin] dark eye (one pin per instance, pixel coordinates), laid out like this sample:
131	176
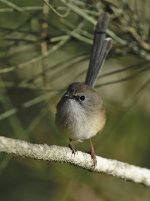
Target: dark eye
82	98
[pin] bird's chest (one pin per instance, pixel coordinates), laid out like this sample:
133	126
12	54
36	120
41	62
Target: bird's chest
75	122
74	115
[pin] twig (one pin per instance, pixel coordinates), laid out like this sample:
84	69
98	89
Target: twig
90	19
14	6
46	2
55	153
37	59
25	8
44	39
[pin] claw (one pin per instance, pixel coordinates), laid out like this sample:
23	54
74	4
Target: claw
73	149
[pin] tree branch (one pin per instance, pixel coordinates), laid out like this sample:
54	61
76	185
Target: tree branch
64	154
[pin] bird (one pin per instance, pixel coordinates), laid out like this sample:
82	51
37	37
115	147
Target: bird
80	111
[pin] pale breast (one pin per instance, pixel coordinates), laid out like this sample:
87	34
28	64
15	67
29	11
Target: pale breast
75	123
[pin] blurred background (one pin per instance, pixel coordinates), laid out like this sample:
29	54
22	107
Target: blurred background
43	49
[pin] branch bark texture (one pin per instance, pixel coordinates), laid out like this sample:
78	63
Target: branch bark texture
55	153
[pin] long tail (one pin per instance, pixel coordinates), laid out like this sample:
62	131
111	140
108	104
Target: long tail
100	49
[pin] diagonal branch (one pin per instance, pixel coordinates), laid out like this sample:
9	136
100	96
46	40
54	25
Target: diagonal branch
55	153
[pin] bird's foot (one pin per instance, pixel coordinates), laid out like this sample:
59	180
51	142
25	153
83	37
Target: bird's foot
93	156
73	149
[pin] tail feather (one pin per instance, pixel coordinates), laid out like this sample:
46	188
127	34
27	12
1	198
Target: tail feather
100	49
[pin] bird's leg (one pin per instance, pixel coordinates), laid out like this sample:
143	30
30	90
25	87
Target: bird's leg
92	152
73	149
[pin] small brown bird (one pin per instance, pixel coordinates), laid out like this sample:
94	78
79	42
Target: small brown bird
80	112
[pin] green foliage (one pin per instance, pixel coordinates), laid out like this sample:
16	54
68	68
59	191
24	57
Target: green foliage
37	64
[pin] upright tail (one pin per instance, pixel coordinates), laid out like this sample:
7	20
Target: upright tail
100	49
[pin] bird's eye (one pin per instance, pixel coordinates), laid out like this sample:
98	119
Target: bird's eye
82	98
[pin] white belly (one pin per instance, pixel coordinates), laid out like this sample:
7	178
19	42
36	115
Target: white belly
82	132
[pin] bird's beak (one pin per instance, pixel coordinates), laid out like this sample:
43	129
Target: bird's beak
68	96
